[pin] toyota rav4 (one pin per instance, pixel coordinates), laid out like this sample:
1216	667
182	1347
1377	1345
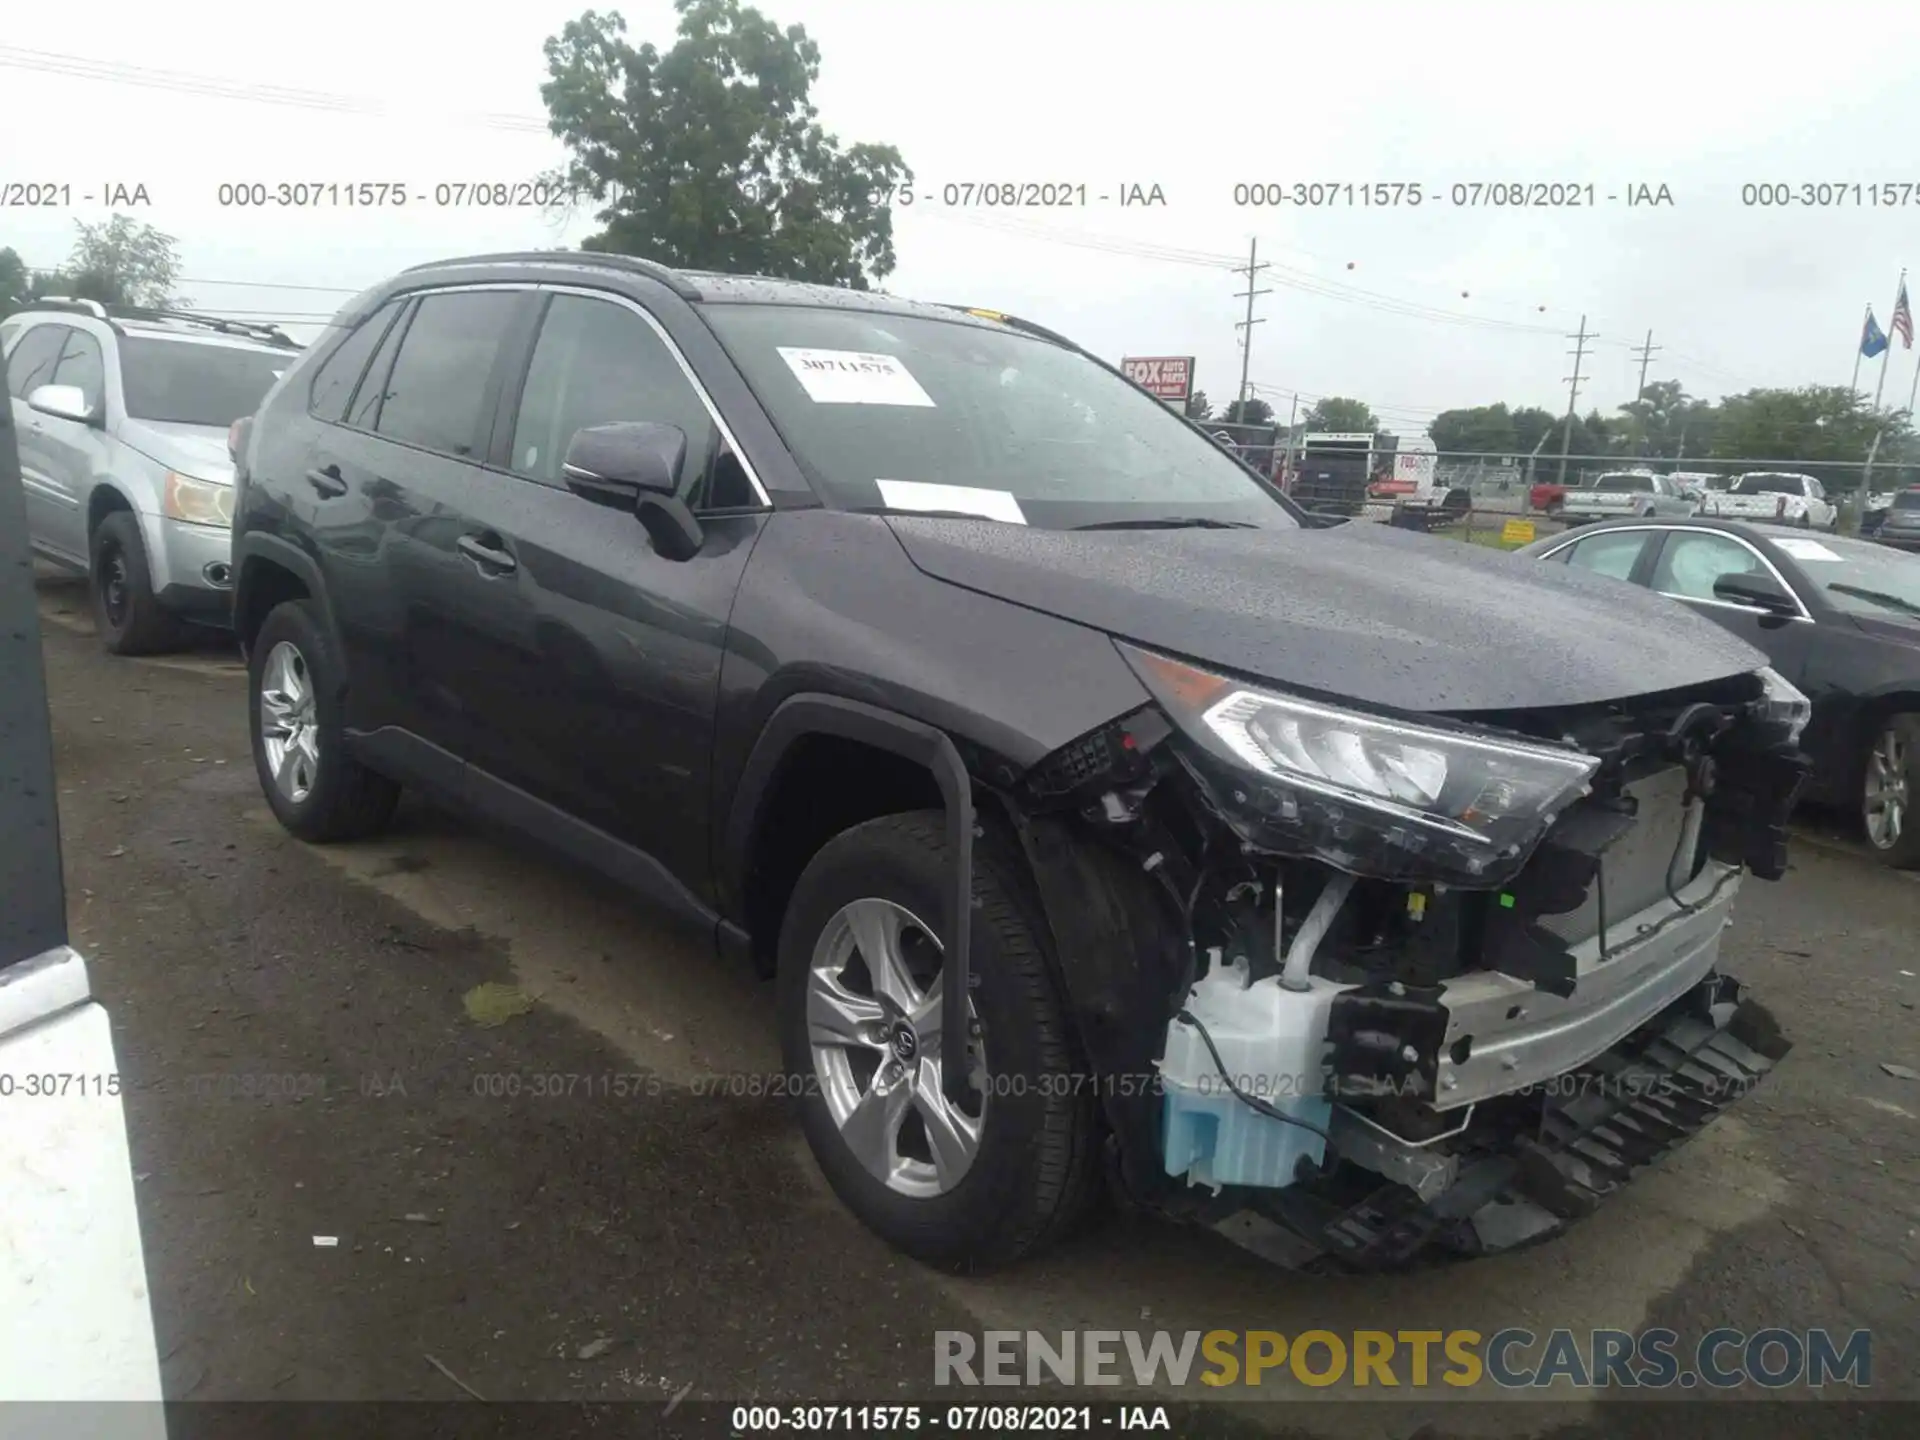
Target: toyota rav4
1103	818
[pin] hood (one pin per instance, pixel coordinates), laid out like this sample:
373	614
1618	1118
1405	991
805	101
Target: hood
1364	612
196	450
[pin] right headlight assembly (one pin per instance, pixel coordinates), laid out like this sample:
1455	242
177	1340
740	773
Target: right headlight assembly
1363	792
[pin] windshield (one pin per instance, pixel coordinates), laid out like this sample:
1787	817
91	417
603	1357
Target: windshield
1859	576
188	382
913	413
1769	485
1624	482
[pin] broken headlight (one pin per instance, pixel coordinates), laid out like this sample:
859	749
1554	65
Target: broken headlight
1365	793
1782	704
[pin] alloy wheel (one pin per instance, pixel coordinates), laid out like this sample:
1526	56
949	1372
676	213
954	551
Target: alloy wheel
289	725
874	1028
1886	790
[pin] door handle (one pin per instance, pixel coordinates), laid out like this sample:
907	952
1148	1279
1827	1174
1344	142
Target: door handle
327	481
487	556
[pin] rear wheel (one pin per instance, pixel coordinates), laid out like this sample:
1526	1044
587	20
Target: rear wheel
127	614
317	790
1887	788
968	1185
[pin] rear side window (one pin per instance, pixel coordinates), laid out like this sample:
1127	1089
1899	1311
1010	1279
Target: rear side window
82	366
1613	554
373	385
437	392
31	363
333	383
1618	484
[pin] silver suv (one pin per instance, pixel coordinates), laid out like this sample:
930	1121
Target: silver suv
123	419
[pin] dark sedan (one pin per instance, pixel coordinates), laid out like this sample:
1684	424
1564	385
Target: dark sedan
1900	522
1839	617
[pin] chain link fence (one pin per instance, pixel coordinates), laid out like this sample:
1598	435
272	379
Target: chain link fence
1507	500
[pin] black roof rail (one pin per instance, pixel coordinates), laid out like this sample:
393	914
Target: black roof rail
633	264
245	329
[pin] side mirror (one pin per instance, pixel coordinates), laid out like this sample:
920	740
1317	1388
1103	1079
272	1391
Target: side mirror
63	402
634	465
1762	592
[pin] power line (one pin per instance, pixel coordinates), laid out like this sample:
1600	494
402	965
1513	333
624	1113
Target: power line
182	82
1300	281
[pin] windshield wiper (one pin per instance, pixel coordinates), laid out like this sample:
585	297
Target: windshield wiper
1170	522
1878	597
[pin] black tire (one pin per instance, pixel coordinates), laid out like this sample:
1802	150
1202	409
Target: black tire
127	614
1903	853
1034	1174
343	800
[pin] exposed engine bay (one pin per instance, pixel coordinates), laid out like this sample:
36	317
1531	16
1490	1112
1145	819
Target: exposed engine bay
1363	991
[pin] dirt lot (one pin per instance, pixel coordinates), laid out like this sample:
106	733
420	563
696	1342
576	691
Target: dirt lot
684	1241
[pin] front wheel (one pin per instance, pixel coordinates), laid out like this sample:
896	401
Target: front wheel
1887	786
127	614
969	1185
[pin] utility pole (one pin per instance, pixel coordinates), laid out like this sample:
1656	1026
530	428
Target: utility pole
1252	268
1573	393
1645	353
1293	412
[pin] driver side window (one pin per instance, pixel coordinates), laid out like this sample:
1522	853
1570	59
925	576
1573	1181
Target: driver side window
1694	559
597	362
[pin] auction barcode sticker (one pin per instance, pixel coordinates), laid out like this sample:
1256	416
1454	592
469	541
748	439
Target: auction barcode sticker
854	377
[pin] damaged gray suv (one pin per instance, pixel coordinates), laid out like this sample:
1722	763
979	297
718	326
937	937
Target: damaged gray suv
1105	818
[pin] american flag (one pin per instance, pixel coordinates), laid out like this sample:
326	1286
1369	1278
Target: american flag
1902	322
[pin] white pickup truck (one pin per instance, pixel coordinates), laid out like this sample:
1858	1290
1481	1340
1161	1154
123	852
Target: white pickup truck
1624	494
1775	496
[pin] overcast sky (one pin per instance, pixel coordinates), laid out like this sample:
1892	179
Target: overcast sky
1413	310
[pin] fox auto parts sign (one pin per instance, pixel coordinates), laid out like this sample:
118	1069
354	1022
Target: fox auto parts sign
1169	377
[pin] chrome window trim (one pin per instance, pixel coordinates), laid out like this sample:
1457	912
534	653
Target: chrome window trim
1804	617
706	400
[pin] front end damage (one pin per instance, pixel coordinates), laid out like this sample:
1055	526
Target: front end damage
1366	991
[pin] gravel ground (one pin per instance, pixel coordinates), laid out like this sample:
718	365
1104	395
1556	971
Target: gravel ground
646	1238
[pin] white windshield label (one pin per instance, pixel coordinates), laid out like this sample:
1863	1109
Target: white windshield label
922	495
1805	549
854	377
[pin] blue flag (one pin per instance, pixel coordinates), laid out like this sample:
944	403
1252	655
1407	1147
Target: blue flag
1873	339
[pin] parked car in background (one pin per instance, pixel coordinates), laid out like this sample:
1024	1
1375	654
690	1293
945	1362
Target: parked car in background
1548	496
1697	484
1838	616
1624	492
1098	815
123	417
1899	520
1777	497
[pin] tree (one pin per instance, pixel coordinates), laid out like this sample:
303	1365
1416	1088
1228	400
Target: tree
16	283
1485	429
1254	411
1531	427
123	261
1198	406
709	156
1337	414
